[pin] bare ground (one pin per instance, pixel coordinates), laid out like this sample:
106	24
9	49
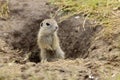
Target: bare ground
89	56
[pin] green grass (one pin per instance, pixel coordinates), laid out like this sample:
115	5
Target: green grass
118	77
115	77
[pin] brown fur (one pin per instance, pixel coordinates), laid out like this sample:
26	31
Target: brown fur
48	40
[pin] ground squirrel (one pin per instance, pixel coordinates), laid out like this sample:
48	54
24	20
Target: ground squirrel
48	40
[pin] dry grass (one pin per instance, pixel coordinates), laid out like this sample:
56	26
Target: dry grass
100	10
104	12
4	10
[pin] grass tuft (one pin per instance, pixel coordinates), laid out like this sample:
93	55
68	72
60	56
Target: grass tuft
4	10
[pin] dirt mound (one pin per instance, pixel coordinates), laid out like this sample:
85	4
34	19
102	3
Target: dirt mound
22	27
79	69
20	30
105	47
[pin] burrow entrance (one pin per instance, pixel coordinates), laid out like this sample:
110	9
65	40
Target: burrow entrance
23	26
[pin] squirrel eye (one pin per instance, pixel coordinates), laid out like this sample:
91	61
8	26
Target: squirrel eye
47	24
41	24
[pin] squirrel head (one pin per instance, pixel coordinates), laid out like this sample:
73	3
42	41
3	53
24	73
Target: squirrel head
48	26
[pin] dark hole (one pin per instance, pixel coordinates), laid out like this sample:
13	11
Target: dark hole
34	57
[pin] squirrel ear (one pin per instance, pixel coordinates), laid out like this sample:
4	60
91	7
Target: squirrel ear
41	24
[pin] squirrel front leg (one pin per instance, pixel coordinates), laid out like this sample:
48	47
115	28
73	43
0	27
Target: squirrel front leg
60	53
43	55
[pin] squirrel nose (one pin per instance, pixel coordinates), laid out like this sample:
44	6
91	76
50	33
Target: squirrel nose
56	27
